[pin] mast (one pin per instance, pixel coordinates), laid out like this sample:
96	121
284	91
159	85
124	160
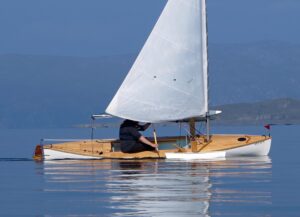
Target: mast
204	72
205	63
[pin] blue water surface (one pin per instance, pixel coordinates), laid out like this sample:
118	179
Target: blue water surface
249	186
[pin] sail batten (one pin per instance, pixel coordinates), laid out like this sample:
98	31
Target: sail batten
168	80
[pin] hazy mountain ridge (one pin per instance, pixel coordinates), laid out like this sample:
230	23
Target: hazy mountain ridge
47	91
278	111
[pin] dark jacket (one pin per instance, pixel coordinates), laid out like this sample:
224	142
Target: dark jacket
129	134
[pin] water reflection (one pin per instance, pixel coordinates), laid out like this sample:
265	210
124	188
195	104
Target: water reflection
155	189
162	188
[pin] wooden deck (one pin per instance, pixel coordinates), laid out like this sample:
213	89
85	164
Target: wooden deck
110	149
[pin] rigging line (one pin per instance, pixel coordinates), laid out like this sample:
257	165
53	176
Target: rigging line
187	131
180	129
92	134
198	131
92	128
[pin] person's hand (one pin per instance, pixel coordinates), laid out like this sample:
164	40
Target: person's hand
154	145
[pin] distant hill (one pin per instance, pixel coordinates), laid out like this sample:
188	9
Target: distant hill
49	91
279	111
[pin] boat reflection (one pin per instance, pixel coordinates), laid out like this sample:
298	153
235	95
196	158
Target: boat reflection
163	188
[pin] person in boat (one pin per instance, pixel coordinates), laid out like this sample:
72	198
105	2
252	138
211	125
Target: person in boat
132	141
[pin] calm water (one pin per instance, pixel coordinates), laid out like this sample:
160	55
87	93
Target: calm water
267	186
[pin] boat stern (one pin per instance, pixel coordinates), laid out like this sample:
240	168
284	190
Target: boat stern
38	153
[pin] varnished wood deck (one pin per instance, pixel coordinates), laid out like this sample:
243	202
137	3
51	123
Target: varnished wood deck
109	149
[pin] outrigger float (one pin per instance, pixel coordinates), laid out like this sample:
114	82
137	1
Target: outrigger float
167	83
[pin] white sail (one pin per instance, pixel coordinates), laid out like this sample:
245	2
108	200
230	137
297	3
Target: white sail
168	80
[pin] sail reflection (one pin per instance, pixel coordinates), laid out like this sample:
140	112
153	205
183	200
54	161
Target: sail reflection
163	188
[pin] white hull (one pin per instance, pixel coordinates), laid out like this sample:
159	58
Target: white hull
255	149
59	155
196	156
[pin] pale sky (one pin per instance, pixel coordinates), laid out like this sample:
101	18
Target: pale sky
107	27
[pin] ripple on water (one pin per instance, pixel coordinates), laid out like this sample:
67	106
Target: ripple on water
163	188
